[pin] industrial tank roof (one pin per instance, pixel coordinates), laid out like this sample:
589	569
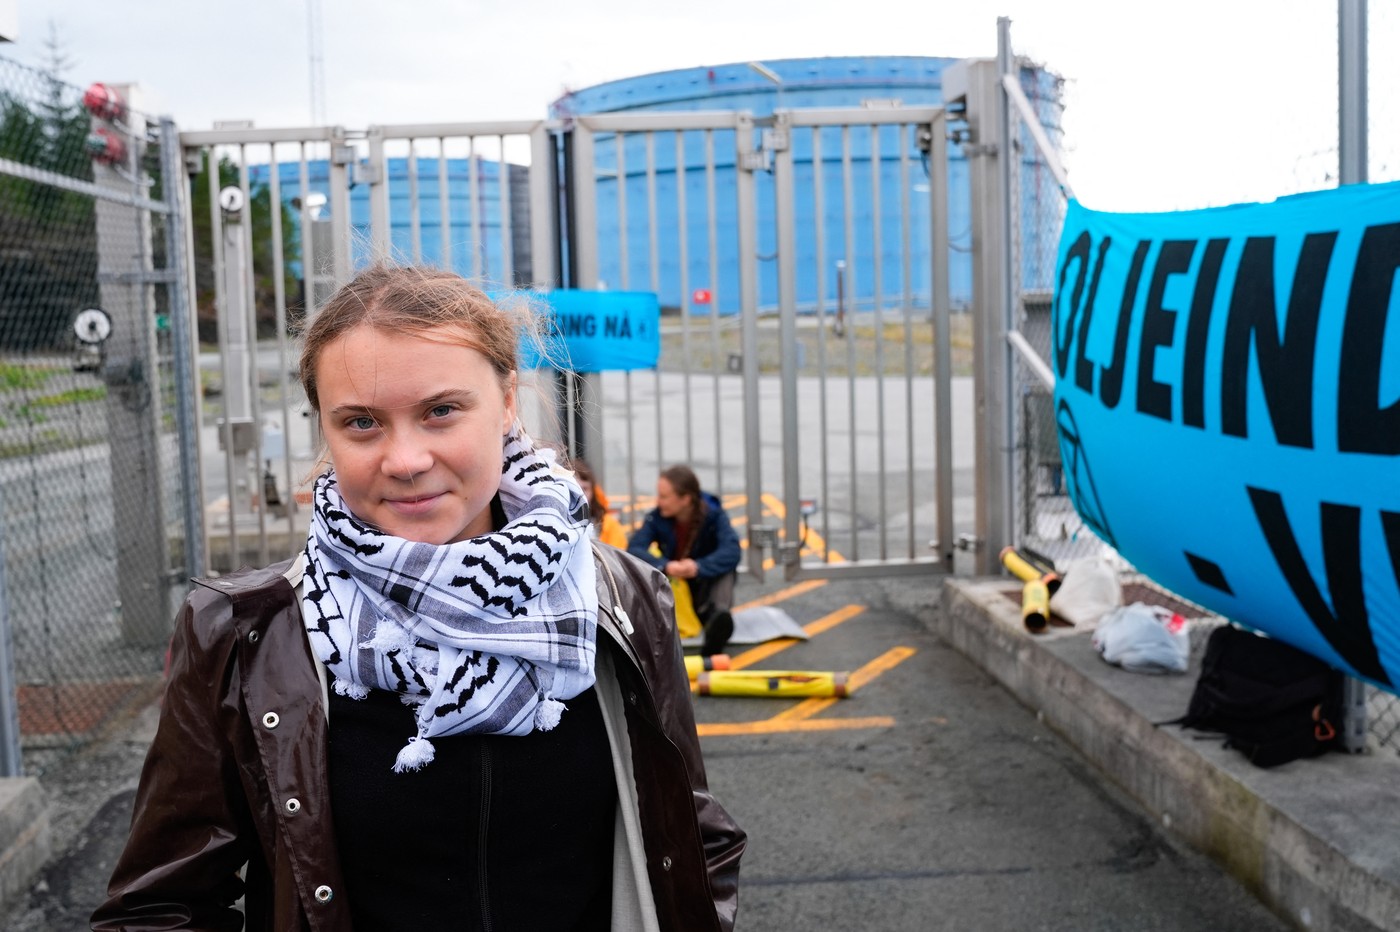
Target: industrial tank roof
910	79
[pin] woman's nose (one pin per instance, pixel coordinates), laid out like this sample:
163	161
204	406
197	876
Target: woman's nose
406	457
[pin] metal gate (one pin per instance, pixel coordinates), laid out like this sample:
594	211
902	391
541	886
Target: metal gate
801	264
806	366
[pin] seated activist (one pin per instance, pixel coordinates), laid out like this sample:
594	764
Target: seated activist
603	525
696	543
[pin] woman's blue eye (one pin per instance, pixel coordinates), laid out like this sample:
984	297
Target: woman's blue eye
442	410
363	422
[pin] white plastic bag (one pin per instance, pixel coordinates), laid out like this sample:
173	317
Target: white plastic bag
1144	638
1089	589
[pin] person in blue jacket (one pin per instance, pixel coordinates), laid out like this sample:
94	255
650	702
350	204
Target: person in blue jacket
697	544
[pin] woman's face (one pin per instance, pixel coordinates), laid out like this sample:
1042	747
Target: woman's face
415	428
668	501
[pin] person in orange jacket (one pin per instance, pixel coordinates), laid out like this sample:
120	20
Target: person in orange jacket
605	526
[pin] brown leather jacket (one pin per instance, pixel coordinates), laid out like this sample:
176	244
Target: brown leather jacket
237	772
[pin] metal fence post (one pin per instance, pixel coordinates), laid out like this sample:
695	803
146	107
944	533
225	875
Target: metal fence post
125	278
175	182
985	151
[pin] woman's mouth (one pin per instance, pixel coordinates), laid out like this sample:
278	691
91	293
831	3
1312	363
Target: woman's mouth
410	507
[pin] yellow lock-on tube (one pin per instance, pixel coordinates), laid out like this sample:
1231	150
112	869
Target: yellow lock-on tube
772	683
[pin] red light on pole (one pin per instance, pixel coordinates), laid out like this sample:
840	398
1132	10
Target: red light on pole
700	296
103	102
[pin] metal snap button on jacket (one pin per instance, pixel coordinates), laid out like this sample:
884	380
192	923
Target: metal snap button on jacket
323	894
293	805
271	719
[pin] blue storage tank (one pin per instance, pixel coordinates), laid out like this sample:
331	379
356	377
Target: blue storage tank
458	254
899	171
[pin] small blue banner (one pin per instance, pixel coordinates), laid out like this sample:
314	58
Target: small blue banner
1228	402
598	331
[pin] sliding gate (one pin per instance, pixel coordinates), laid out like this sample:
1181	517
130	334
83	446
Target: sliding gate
806	373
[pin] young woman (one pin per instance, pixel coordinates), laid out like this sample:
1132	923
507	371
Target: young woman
696	543
451	711
605	526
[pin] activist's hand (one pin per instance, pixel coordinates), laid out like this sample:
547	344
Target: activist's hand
682	569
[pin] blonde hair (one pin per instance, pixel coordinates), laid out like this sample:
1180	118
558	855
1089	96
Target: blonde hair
416	300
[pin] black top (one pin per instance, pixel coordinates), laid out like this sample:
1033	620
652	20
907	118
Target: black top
498	833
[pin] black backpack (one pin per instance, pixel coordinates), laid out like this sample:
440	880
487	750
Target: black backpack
1272	702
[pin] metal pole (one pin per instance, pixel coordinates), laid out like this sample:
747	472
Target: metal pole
1352	169
174	181
940	299
589	436
1351	91
1008	299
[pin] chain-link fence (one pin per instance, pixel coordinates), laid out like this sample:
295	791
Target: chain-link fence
89	460
1044	517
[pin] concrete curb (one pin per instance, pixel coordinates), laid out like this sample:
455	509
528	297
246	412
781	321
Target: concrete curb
25	838
1313	839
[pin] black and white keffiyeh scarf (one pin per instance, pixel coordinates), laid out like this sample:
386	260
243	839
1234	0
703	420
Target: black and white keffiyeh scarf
484	636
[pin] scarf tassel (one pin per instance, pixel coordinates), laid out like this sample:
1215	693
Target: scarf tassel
415	755
548	713
349	689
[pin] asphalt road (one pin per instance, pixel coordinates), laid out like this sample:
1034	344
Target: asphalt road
928	800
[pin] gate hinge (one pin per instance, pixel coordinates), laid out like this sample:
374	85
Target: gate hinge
972	150
789	554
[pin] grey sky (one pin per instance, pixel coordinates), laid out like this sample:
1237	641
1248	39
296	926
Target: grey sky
1175	105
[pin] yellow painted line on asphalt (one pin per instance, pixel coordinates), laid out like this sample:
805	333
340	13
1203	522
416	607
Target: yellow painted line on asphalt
775	726
763	651
881	664
781	595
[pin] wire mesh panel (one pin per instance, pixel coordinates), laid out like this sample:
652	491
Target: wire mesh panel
91	404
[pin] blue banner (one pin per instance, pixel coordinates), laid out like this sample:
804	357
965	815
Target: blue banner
1228	401
597	331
